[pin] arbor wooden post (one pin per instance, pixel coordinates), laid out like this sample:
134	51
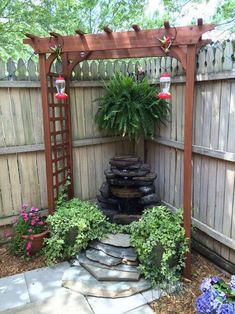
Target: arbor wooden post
46	125
188	127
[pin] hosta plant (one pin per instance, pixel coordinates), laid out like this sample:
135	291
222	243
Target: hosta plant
130	108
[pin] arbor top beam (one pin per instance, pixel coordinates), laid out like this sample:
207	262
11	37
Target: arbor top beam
186	35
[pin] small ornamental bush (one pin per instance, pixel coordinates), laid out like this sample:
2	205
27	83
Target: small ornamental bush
73	225
29	223
159	241
217	296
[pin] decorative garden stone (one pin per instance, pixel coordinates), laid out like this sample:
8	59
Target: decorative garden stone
128	189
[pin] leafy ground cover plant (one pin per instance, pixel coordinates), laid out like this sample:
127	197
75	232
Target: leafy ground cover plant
217	296
29	223
74	224
130	108
159	240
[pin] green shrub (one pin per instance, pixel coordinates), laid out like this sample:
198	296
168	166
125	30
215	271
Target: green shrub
159	241
130	108
158	237
73	225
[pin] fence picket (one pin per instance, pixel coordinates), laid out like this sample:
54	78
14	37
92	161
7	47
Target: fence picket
23	175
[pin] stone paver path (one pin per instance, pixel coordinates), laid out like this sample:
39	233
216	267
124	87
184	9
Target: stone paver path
40	291
102	280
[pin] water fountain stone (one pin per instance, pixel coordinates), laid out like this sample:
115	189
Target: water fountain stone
128	189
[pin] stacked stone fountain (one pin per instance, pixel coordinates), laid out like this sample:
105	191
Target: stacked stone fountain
129	188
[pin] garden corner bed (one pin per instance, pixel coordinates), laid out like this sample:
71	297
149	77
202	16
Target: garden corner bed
177	303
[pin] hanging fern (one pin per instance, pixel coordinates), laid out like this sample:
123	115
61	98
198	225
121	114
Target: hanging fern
129	108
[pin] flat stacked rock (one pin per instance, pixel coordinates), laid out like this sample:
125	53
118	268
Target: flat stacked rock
129	188
108	268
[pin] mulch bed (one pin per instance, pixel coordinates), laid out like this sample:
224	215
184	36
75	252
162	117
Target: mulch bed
183	302
178	303
11	265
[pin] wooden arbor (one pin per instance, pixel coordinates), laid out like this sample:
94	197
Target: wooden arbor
110	45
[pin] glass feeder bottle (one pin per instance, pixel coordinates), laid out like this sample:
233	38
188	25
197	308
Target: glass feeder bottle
165	83
60	87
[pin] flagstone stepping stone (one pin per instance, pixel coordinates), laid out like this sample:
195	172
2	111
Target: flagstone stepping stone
80	280
127	253
119	240
102	274
102	257
81	259
130	263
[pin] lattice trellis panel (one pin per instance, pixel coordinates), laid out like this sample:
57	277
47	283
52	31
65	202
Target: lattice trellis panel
60	138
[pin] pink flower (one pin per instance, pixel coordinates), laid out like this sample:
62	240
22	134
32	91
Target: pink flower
28	246
41	223
27	253
7	234
32	222
30	230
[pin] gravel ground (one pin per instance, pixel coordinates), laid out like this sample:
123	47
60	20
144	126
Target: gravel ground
182	302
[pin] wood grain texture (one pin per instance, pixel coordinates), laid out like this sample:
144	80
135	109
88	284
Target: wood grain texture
22	160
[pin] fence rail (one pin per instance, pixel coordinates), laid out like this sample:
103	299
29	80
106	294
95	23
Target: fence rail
22	163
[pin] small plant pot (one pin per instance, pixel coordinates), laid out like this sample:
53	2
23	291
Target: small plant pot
36	240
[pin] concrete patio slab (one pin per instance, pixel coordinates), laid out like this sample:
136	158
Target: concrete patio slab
151	295
80	280
116	306
145	309
13	292
68	303
45	282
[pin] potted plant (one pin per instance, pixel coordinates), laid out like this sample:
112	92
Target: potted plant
29	232
130	108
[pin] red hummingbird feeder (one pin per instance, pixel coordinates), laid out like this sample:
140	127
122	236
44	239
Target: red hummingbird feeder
165	83
60	87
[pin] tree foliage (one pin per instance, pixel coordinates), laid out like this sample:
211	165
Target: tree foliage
65	16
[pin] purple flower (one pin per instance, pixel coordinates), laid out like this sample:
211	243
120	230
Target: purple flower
205	285
226	309
215	280
206	303
232	282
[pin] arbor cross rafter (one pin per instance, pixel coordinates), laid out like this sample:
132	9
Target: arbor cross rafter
186	41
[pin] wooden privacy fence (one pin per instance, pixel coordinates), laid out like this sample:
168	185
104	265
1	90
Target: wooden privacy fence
22	164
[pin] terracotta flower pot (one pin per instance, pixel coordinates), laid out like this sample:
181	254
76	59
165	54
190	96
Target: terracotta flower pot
36	240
